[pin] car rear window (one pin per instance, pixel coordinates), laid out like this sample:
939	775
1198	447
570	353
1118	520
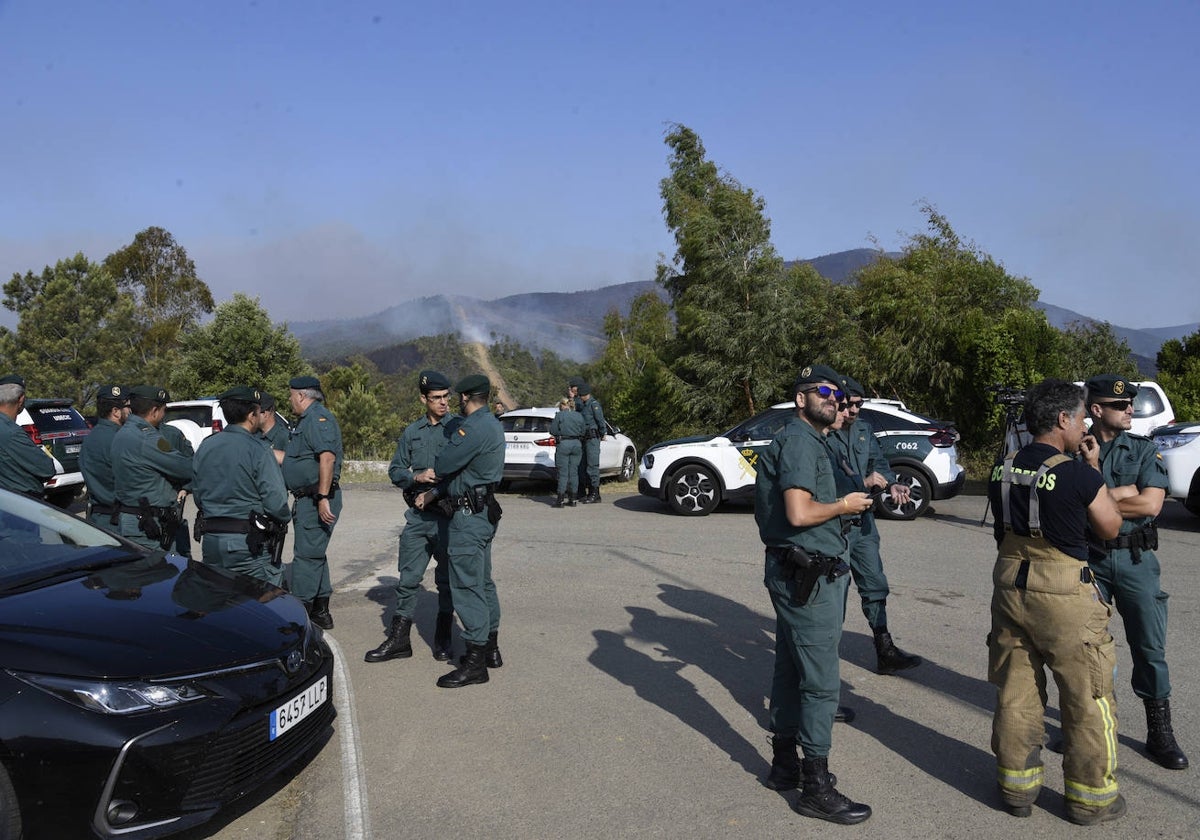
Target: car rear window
57	419
539	425
883	422
201	415
1147	403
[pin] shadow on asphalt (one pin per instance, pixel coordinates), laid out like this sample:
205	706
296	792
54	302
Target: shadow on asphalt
735	646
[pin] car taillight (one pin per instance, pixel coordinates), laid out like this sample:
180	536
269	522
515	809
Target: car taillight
943	437
545	442
217	425
34	434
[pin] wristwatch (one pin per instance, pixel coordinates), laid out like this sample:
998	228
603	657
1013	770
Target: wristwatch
318	497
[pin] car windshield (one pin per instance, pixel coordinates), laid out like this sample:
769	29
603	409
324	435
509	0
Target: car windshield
40	543
762	426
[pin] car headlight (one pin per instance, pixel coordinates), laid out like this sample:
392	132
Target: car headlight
1165	442
113	698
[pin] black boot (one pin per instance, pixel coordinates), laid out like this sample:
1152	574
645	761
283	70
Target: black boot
491	653
1160	737
442	645
471	672
890	658
318	612
819	798
844	714
396	645
558	502
785	764
570	500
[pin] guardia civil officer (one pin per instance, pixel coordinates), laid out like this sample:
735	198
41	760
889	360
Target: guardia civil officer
147	472
239	490
270	429
859	457
1046	611
1126	567
312	466
95	456
24	466
594	430
568	430
799	512
425	530
467	469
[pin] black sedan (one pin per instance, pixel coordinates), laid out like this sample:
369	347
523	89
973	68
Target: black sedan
141	692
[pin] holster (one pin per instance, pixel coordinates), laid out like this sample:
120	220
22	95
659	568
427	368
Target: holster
806	569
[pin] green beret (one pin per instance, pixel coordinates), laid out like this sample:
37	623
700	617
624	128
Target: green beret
303	383
814	374
476	383
585	389
1109	386
244	393
575	382
116	393
12	379
850	386
432	380
268	402
149	392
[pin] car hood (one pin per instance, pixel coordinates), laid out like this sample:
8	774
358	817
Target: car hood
1177	429
678	441
152	617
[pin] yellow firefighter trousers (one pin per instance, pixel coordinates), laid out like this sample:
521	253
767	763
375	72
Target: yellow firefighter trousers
1044	615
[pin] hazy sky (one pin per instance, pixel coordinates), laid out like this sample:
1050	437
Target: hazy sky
337	158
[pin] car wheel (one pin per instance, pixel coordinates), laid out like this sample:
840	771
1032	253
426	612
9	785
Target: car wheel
10	815
693	491
918	485
628	465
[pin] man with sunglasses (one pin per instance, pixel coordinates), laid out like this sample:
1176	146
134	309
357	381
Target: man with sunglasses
1126	568
798	511
425	529
857	455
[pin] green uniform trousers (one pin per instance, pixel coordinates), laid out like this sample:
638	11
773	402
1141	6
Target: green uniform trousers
591	458
866	567
425	535
310	566
229	551
807	682
472	589
1059	622
567	457
1134	590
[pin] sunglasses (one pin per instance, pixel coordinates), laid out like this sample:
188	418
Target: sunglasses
1118	405
825	391
855	403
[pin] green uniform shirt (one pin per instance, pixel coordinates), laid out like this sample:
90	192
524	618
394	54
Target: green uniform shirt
235	474
568	424
1132	459
145	464
316	431
95	461
24	466
277	438
593	416
797	458
863	451
474	455
417	450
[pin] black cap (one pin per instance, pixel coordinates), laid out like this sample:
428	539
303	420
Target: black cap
244	393
116	393
476	383
850	386
1110	386
268	402
149	392
433	380
302	383
585	389
575	382
813	374
12	379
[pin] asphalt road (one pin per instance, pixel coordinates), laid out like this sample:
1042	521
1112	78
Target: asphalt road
638	650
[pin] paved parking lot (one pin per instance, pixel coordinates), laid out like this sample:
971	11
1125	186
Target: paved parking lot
638	649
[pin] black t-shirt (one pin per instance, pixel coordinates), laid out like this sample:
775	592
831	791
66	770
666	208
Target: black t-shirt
1064	496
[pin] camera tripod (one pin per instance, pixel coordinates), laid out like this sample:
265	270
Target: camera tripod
1015	435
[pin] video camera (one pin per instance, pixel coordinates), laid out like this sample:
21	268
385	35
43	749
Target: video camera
1007	395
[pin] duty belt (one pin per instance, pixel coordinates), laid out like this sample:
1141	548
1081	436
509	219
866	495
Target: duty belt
225	525
1144	538
310	489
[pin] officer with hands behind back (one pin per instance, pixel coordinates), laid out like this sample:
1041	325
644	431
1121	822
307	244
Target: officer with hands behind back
799	512
239	490
1126	567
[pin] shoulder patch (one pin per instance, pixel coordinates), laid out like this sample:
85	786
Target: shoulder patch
163	445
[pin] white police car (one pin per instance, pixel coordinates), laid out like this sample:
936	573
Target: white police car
693	475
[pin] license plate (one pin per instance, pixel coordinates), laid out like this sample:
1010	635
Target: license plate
520	445
299	707
73	449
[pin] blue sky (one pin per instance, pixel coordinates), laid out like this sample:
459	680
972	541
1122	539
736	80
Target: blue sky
338	158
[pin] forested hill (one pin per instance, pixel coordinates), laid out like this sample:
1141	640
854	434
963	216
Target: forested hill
572	323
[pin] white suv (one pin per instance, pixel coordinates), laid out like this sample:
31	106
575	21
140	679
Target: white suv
197	419
1179	446
694	475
